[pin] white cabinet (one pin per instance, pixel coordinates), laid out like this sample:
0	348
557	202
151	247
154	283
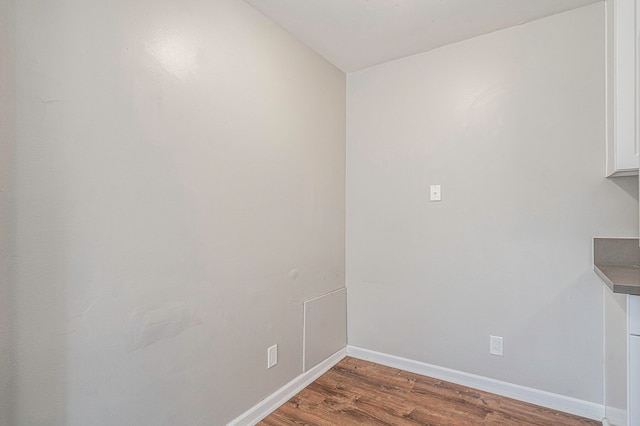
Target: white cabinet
634	361
615	360
634	315
634	380
622	359
622	77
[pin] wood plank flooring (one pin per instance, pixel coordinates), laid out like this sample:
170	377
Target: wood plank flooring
357	392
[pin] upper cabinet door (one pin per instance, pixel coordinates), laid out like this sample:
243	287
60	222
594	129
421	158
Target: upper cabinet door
622	79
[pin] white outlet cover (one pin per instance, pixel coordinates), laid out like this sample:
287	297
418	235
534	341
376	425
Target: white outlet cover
272	356
435	193
496	345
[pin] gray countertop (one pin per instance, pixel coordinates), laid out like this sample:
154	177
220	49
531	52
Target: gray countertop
620	279
617	263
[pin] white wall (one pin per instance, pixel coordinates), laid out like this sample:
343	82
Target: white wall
6	143
179	192
511	124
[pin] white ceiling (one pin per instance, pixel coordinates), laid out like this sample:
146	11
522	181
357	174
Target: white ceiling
355	34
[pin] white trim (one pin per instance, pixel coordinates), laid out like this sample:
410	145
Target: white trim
605	289
285	393
554	401
304	337
344	289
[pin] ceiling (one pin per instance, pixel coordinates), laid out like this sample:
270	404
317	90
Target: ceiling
355	34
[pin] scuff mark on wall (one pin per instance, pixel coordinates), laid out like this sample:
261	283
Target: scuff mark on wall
148	326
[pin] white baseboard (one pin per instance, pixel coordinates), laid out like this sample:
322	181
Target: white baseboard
285	393
575	406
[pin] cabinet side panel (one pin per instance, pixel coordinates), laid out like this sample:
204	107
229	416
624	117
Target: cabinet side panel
634	380
615	352
610	70
626	156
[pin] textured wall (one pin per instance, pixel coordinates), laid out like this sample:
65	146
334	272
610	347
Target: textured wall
511	124
179	192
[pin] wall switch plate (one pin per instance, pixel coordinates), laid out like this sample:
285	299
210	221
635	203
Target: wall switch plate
434	193
272	356
495	345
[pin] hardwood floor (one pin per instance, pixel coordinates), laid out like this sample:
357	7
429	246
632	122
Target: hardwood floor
357	392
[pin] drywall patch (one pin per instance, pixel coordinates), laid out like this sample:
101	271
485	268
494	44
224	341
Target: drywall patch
148	326
325	327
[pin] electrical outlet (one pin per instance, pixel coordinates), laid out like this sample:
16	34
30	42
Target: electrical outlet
272	356
435	193
495	345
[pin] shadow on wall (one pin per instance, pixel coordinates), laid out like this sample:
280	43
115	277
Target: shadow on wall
628	184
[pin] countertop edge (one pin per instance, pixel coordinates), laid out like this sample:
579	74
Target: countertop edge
616	287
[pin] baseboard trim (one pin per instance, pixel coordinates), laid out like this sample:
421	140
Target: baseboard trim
282	395
575	406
